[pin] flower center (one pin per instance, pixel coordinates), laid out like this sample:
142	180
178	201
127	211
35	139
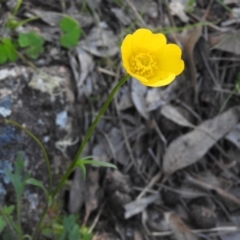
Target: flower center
143	64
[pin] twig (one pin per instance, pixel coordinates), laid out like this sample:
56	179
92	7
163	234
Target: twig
152	182
136	13
196	231
210	187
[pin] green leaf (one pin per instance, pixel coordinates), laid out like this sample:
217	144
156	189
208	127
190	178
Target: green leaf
10	49
3	54
7	51
16	177
37	183
8	235
33	44
68	24
3	224
84	171
71	32
74	234
9	210
95	163
69	40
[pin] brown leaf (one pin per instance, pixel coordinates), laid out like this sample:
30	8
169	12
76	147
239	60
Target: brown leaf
192	146
100	42
93	192
189	39
229	42
138	97
77	192
172	113
180	230
234	136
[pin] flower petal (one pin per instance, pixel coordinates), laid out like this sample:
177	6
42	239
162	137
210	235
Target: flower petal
170	59
139	78
148	58
145	39
162	82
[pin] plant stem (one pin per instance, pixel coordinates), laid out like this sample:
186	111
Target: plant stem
80	149
19	217
40	222
8	121
18	4
88	135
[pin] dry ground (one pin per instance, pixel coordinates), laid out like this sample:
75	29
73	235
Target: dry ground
176	148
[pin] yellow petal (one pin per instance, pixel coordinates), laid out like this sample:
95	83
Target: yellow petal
145	39
126	50
143	80
170	59
162	82
147	57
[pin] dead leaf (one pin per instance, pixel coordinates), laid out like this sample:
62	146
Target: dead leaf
189	38
100	42
229	42
77	192
157	97
138	92
192	146
172	113
121	16
179	228
125	100
207	186
53	18
234	136
145	7
86	65
139	205
111	147
93	192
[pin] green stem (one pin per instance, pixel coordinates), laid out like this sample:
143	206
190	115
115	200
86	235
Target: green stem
18	4
40	222
8	121
19	218
88	135
80	149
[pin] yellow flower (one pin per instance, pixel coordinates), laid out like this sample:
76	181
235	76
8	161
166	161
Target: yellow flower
148	58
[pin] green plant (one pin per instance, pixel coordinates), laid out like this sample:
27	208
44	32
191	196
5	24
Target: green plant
7	50
66	229
88	161
71	32
19	182
190	6
32	42
235	90
6	213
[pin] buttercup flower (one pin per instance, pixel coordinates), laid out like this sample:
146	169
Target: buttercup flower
148	58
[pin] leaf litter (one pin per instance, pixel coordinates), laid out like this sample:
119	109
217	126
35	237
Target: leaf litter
191	147
202	143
